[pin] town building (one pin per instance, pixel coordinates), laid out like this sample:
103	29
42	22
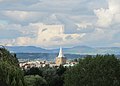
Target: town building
60	59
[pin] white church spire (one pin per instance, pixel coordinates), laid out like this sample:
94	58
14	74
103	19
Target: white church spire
61	53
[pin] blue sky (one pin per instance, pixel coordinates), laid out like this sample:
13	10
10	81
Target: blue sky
54	23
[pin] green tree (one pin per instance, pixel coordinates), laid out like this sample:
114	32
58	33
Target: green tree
101	70
33	71
10	72
3	83
36	80
53	76
13	82
20	83
49	74
61	70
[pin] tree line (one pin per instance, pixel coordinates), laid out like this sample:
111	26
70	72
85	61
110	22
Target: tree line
99	70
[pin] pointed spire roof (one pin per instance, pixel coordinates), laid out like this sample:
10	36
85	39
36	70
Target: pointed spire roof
61	53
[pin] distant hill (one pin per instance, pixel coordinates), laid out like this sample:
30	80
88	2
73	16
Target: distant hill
26	49
80	50
74	50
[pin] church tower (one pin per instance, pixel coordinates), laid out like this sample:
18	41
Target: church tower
60	59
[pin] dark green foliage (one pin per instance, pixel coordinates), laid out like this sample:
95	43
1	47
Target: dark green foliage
34	71
13	83
7	57
50	76
3	83
102	70
36	80
75	60
53	76
10	72
20	83
61	70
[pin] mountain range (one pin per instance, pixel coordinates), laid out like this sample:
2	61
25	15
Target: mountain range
83	50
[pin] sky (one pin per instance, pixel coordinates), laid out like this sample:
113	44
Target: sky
54	23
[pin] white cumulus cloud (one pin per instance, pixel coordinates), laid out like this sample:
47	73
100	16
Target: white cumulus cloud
109	16
49	35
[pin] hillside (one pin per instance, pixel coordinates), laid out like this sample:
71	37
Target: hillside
74	50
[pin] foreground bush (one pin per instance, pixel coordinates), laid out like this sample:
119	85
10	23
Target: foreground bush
102	70
36	80
10	72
